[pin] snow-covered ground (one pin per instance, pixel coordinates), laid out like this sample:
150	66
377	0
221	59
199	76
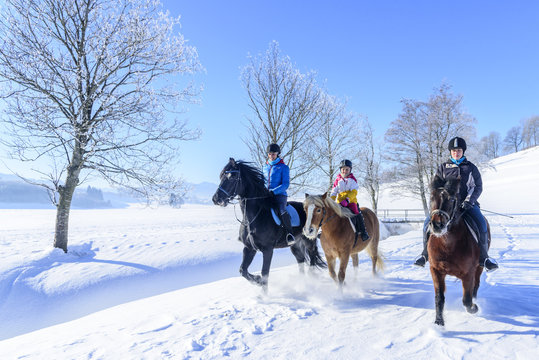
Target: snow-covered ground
142	283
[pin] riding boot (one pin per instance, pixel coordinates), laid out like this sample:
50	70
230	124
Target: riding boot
424	257
484	260
287	224
359	222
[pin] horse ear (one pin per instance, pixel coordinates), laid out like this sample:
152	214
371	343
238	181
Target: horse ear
325	196
437	182
232	161
307	195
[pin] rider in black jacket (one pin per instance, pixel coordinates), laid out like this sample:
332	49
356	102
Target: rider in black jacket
470	188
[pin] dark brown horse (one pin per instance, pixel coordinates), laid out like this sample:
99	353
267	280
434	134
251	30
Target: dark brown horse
338	237
451	246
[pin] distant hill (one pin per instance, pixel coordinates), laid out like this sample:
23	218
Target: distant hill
15	193
200	193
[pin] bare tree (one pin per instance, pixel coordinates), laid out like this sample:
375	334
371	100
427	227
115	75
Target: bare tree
418	138
87	85
369	170
284	103
332	141
491	144
513	139
530	131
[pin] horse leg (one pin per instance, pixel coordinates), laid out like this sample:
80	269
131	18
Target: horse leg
299	255
355	263
438	279
248	256
343	263
266	263
467	291
478	273
374	260
331	266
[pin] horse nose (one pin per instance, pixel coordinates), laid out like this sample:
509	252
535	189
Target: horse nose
308	231
437	225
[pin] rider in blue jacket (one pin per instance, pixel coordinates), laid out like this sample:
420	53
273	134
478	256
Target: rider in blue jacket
471	187
277	176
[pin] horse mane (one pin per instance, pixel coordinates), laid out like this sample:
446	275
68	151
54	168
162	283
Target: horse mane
320	201
451	185
252	177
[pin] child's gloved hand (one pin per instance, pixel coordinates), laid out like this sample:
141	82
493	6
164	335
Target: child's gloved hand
344	203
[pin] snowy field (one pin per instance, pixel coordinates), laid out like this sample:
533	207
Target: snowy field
142	283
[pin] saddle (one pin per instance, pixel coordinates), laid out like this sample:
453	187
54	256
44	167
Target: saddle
472	226
294	216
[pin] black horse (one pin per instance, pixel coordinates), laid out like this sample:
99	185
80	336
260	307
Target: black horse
258	230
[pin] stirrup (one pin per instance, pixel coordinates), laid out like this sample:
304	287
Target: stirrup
290	239
365	236
420	261
489	264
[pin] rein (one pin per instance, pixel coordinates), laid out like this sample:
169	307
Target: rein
249	222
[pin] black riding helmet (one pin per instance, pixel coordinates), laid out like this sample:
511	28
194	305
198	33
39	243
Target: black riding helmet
345	163
274	148
457	143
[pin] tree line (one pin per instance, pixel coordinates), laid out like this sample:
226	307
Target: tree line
316	131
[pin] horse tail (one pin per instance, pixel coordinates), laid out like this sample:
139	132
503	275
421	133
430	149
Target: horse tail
372	249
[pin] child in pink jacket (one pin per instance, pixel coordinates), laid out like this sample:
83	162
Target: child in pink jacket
344	192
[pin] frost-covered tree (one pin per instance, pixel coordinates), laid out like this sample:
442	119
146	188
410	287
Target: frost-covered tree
332	140
490	145
513	139
94	87
530	131
284	104
418	138
369	154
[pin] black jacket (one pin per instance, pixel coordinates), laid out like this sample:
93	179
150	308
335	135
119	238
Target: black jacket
471	185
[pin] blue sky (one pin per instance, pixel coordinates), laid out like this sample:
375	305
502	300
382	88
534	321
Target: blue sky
374	53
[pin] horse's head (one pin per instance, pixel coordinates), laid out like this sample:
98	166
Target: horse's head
315	210
230	181
443	203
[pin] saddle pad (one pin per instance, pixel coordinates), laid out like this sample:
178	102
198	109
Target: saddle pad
294	217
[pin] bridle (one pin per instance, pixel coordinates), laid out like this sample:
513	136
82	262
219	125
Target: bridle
231	196
450	218
234	193
324	213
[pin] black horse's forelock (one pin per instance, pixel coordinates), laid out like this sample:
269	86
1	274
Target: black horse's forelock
451	185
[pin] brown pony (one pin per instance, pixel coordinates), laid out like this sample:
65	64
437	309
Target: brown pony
338	237
451	246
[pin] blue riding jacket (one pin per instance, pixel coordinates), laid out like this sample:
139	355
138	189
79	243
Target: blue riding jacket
277	176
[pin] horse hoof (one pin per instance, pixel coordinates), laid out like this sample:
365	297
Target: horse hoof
472	309
439	322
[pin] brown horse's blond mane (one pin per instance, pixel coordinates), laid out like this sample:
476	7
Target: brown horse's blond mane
319	201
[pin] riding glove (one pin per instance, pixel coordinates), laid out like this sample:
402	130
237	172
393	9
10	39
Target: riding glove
466	205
